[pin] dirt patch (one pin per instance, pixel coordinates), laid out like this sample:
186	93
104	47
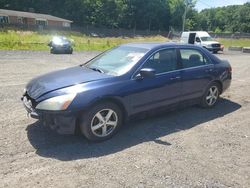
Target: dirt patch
191	147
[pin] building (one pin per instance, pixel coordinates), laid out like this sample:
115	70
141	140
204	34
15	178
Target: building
32	19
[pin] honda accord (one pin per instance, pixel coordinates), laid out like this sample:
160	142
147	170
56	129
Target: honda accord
99	96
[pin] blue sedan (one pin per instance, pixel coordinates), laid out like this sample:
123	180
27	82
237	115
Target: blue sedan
100	95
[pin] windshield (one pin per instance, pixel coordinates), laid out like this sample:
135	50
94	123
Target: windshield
206	39
58	40
117	61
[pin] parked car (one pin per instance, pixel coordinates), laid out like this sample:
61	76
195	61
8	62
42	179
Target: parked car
203	39
60	44
132	78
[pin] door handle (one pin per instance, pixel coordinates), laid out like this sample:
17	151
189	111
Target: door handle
209	70
175	78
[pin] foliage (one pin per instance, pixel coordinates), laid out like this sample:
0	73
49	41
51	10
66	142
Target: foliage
234	18
140	14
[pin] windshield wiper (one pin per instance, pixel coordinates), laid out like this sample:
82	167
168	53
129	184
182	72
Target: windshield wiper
96	69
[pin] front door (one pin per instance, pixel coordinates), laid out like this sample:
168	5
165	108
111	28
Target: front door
163	89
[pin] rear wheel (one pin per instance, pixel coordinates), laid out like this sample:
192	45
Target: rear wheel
70	51
101	122
211	96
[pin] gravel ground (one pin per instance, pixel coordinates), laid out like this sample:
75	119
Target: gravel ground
191	147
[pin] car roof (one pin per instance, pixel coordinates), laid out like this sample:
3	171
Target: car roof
156	45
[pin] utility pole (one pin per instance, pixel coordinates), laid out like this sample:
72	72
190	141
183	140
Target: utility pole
187	4
184	17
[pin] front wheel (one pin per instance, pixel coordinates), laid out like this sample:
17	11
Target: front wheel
211	96
52	51
101	122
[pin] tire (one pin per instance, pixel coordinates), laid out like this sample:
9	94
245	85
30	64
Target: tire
70	51
215	52
211	96
101	122
52	51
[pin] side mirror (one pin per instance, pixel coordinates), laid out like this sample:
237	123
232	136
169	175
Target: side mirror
146	73
197	39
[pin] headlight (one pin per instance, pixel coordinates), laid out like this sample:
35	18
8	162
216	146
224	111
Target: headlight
56	103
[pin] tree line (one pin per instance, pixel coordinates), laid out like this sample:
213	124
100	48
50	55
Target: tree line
140	14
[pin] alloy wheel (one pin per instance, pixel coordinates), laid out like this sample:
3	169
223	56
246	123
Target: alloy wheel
104	122
212	95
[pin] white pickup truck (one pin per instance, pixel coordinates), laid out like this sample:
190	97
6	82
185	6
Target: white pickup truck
201	38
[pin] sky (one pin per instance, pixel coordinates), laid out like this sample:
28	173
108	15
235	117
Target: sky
202	4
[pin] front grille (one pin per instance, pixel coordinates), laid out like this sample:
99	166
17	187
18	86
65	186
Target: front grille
216	45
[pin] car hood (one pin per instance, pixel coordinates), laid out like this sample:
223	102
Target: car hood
61	79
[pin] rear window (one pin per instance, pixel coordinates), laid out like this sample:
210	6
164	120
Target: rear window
193	58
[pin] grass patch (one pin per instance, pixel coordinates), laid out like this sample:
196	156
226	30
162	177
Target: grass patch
235	42
26	40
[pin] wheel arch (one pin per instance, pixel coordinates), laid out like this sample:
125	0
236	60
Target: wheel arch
220	85
114	100
217	82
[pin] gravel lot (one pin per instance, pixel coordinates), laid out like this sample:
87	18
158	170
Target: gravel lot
191	147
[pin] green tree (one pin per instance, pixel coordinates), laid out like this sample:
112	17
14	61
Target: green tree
140	14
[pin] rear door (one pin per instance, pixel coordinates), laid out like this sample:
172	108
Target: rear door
197	72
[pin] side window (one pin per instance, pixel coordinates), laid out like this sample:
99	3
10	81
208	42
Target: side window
197	39
193	58
162	61
4	19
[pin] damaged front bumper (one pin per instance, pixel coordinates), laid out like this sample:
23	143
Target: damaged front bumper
63	122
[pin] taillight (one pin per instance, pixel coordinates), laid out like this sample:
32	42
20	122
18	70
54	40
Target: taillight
229	69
